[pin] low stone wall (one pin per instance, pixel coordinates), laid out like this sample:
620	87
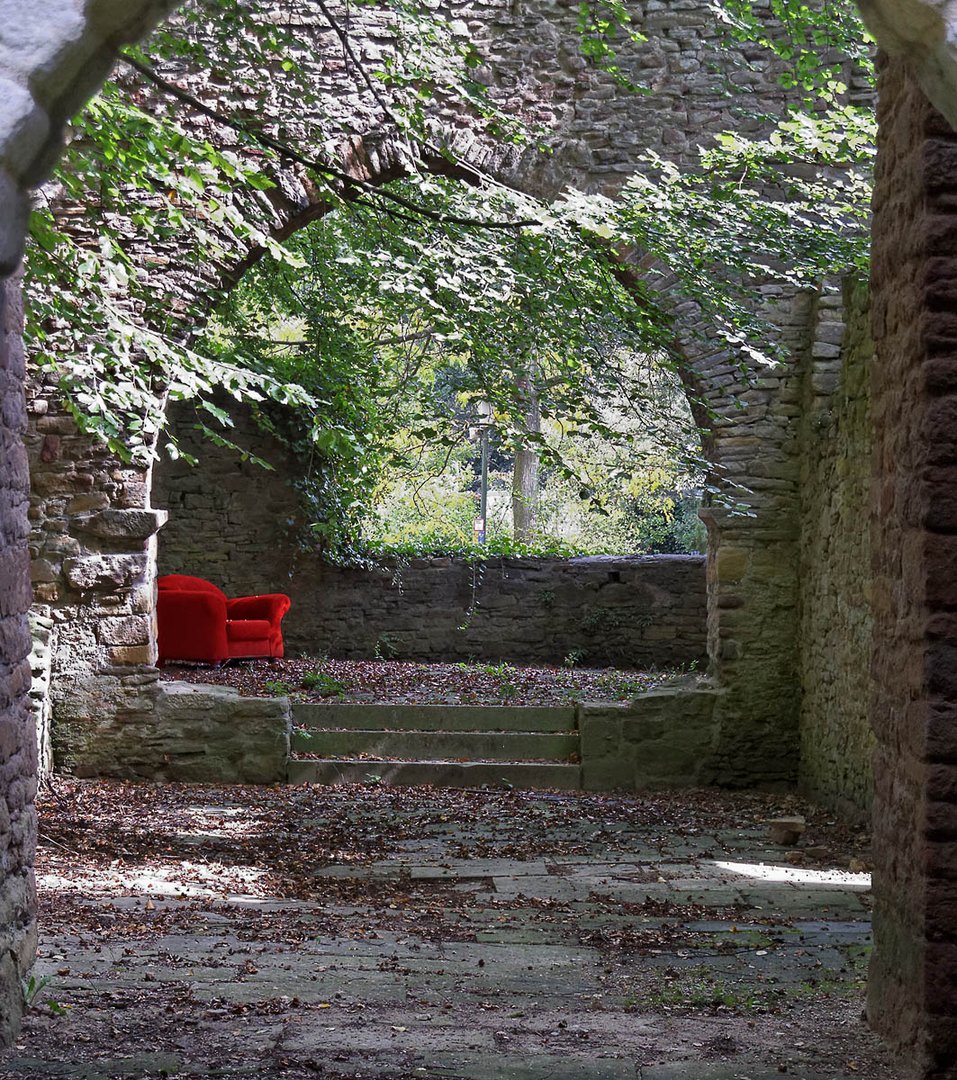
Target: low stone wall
600	611
181	732
236	524
663	739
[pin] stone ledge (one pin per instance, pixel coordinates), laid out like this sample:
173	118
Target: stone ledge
663	739
175	732
121	524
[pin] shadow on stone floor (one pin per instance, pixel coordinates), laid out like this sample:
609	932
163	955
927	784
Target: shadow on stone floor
362	932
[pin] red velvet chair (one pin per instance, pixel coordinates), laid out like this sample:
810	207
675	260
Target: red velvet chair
196	621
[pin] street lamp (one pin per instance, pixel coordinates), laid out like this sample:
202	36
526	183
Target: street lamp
485	412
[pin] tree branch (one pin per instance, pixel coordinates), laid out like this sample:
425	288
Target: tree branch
350	183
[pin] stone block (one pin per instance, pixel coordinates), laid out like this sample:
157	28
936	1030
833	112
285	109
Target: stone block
43	571
731	564
93	500
121	524
104	571
133	654
128	630
61	481
57	424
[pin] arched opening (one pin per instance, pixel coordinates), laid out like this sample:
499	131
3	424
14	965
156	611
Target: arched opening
754	720
941	1034
399	354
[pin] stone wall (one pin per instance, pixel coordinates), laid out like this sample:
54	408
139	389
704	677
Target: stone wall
183	733
18	755
598	135
835	617
663	739
236	523
93	549
52	56
54	50
600	611
913	982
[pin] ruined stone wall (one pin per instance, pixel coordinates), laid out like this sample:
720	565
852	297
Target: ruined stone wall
93	549
598	134
835	573
52	56
913	980
600	611
18	756
235	523
190	734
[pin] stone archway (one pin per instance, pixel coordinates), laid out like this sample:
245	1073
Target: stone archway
913	985
93	563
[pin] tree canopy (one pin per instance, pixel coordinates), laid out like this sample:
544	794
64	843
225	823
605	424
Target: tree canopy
174	175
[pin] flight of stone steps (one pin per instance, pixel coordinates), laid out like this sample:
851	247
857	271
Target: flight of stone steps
443	745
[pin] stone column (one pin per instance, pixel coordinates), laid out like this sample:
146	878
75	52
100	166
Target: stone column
52	57
913	984
17	737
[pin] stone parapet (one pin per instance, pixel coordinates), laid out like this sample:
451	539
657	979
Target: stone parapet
638	611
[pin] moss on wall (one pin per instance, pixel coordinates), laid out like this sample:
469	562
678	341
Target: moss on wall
836	738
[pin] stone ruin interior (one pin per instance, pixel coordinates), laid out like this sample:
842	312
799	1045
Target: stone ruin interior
830	612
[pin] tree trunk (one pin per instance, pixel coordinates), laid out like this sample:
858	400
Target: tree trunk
525	476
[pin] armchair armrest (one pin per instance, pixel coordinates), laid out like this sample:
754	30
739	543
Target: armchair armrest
192	626
271	606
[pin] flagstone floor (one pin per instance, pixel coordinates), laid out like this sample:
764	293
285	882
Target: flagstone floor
362	932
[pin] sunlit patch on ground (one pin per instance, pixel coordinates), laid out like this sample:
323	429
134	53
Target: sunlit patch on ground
798	875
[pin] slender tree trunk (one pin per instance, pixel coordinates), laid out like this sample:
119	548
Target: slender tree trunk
525	476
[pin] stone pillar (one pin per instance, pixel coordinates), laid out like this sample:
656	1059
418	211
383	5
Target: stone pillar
753	550
913	984
52	57
93	552
17	738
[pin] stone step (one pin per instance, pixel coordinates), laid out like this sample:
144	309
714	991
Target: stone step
441	745
522	775
363	717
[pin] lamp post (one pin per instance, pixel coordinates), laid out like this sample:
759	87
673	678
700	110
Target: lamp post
484	410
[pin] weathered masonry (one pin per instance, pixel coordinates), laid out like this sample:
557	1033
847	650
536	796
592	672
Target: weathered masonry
95	532
240	525
772	582
52	57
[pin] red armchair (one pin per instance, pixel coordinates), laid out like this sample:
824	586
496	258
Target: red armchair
196	621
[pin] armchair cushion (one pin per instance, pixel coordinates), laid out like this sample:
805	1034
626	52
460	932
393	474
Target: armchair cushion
198	622
192	625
